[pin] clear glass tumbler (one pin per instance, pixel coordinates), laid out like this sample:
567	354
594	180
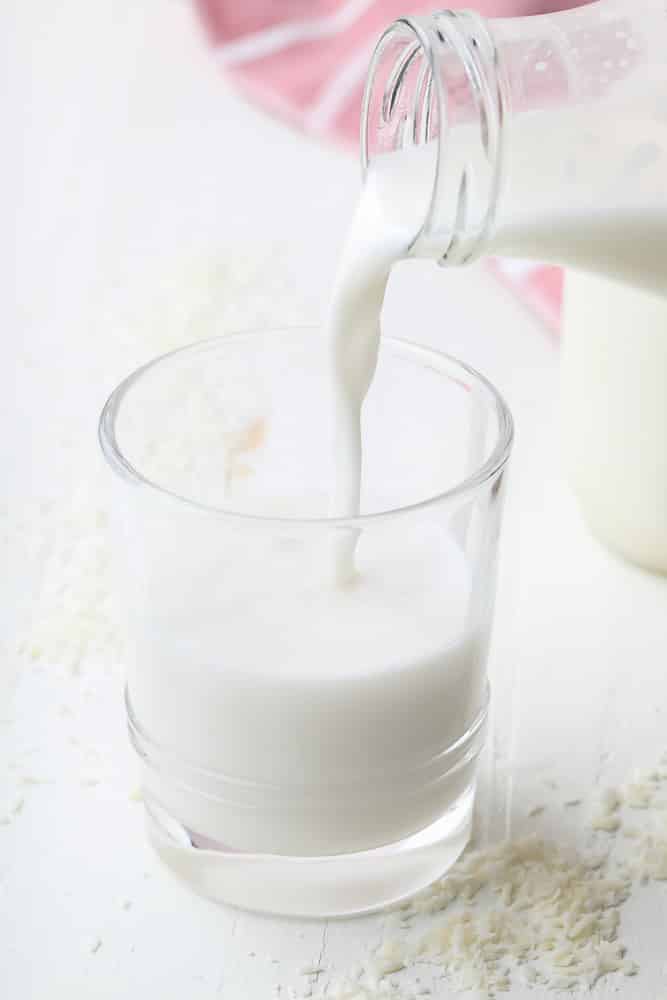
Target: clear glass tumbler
307	748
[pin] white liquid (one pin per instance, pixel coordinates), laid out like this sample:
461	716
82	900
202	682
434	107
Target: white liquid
614	404
326	708
586	187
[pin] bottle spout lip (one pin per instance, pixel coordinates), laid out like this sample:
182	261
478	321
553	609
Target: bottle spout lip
433	81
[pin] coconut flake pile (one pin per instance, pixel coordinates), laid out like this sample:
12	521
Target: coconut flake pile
526	912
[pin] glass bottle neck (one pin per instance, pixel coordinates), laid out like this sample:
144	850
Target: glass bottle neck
544	136
429	76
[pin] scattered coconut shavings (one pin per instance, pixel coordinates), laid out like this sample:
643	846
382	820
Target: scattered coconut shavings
605	822
609	801
353	991
311	970
649	855
542	908
605	817
639	795
527	911
15	809
389	958
74	616
552	914
67	540
33	779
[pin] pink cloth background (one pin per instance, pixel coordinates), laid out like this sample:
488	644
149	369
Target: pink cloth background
306	61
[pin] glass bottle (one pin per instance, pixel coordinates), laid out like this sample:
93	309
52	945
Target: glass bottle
545	136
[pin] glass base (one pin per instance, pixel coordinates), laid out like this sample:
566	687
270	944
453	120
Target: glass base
335	886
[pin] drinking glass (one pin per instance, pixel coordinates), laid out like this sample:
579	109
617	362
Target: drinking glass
306	747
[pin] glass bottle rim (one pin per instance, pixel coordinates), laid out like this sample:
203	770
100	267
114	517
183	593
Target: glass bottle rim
458	237
421	41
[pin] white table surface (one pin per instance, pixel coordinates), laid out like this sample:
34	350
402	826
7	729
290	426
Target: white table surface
131	167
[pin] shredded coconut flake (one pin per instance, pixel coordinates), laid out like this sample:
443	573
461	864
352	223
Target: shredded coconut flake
639	794
609	801
311	970
606	822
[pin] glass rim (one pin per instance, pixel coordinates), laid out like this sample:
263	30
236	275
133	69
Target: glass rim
437	361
